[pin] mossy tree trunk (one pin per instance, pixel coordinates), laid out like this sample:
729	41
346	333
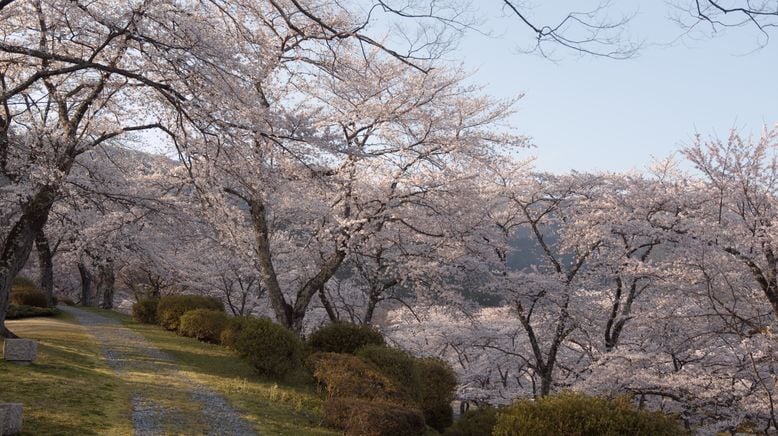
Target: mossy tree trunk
18	245
86	285
106	284
45	266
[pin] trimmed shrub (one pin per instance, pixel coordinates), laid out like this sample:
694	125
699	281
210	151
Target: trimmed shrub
395	363
343	337
145	311
172	307
347	376
270	348
204	324
478	422
358	417
24	292
18	312
430	382
21	283
436	384
579	414
29	298
231	330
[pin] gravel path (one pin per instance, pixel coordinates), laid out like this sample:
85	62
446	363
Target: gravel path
157	381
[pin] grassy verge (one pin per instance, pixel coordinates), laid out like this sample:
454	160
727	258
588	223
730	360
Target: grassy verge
271	407
69	390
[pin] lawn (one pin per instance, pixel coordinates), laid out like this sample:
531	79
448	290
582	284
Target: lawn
270	406
69	390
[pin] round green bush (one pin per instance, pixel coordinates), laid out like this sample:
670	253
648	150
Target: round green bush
270	348
231	330
204	324
29	298
357	417
24	292
343	337
172	307
145	311
436	384
477	422
431	382
579	414
393	362
19	312
346	376
21	283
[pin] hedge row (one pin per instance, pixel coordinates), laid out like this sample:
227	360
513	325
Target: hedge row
16	311
372	389
270	348
24	292
355	369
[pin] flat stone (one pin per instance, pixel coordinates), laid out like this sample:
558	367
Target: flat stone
20	350
10	418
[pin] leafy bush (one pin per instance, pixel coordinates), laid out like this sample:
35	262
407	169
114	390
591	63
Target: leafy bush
204	324
395	363
20	284
24	292
347	376
29	298
270	348
145	311
430	382
436	384
478	422
578	414
343	337
372	418
67	301
172	307
231	330
18	312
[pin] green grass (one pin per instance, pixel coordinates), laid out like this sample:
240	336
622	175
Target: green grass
272	407
68	390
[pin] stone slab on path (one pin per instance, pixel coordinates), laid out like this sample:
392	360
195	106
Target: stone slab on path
11	418
20	350
129	354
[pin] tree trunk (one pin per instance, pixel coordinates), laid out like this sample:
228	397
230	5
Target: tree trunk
546	378
18	245
106	285
327	305
290	316
45	266
372	302
86	285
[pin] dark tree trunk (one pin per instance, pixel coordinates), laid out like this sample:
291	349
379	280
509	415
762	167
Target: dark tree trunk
106	285
289	315
45	266
86	285
18	245
327	305
372	301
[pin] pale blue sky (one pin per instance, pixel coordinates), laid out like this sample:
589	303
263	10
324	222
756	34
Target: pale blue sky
601	114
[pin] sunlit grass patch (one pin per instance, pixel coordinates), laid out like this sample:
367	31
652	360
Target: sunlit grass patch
271	407
68	390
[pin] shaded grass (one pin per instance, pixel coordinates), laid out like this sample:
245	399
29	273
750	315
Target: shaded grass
275	407
68	390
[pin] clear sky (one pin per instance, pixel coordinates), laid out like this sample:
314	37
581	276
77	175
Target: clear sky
602	114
